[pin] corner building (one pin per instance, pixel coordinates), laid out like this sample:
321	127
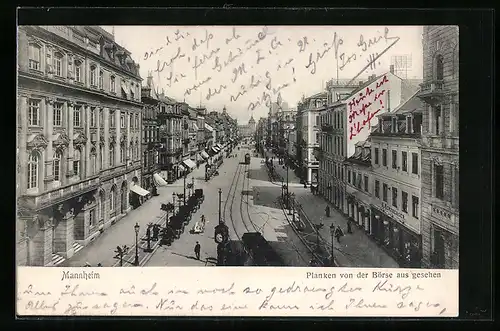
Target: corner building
440	147
78	138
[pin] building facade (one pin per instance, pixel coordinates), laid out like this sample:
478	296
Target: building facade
440	147
309	112
395	217
170	120
78	138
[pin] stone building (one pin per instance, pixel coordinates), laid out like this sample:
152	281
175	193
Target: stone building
78	139
170	120
440	147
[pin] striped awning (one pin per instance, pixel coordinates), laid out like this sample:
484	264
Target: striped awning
204	155
215	150
181	168
139	190
189	163
159	181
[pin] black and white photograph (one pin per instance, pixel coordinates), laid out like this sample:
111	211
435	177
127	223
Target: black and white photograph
243	146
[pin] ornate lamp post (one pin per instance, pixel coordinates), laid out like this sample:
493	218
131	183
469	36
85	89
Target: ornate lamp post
332	233
136	228
173	202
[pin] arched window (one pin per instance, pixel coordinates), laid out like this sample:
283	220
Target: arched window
101	79
102	205
35	52
76	162
111	155
439	67
93	161
57	165
58	60
112	195
123	152
112	84
33	161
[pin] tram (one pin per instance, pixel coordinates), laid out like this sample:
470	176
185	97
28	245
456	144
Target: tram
247	158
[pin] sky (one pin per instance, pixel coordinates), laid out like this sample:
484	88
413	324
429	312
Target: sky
243	68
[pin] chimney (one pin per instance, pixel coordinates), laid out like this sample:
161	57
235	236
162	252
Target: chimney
391	68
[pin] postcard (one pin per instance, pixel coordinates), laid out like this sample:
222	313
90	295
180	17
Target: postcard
314	167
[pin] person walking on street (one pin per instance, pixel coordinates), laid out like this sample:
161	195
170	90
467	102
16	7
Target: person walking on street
197	249
349	229
327	211
338	233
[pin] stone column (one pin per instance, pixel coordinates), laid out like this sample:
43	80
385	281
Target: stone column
40	249
22	142
106	138
69	123
49	154
88	145
64	236
118	137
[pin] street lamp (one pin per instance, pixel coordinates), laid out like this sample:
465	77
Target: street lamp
332	233
173	202
185	175
136	228
220	201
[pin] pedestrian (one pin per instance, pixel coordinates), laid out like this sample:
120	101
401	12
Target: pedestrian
338	233
197	249
349	230
327	211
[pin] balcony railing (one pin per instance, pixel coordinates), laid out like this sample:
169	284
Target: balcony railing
432	91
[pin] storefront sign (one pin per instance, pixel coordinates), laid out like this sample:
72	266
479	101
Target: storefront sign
391	212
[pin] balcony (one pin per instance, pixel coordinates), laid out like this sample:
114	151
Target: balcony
439	142
326	127
45	199
432	91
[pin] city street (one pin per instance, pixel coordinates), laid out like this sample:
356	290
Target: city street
249	204
354	250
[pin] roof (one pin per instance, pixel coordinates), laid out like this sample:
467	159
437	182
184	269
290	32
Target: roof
412	105
367	83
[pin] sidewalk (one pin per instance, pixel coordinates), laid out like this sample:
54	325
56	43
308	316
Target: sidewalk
101	250
354	250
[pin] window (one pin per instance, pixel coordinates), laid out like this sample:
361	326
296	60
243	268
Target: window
101	79
395	197
113	84
111	119
131	151
123	153
122	120
414	163
93	161
77	116
34	112
377	189
439	67
56	164
93	75
376	156
92	117
33	170
101	118
102	206
58	64
34	56
384	192
394	159
384	157
101	156
317	138
439	181
353	178
57	114
112	199
92	217
137	121
404	160
78	71
111	155
404	201
366	183
414	206
76	162
437	120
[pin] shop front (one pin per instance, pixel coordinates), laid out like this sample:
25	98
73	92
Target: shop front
358	208
389	231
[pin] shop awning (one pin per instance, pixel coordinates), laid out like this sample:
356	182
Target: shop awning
189	163
181	168
215	150
204	155
159	181
139	190
195	126
209	128
219	146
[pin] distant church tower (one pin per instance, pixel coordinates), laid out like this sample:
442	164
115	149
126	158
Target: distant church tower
251	125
